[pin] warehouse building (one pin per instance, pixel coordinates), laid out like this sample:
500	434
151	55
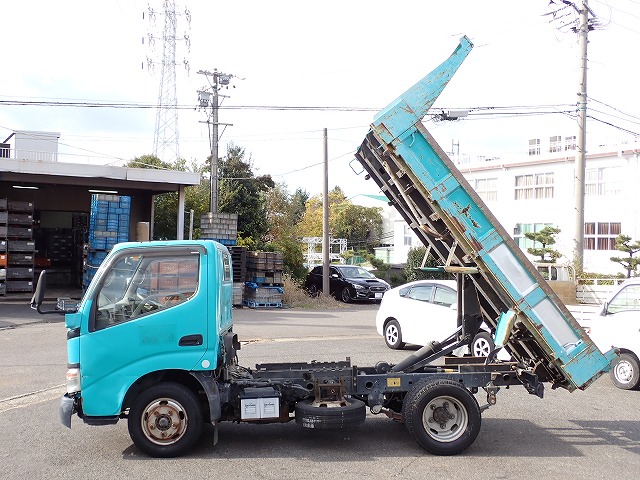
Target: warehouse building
45	208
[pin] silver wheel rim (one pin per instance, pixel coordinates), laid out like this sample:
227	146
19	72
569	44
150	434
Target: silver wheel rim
164	421
624	371
392	334
445	419
481	348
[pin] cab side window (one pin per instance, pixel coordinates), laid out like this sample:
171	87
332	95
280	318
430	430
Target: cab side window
444	297
627	299
421	292
141	285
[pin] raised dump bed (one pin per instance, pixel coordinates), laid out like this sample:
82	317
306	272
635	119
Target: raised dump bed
440	206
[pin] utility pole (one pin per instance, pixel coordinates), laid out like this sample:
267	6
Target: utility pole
208	100
580	164
325	218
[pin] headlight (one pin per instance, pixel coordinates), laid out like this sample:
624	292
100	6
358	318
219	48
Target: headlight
73	380
359	287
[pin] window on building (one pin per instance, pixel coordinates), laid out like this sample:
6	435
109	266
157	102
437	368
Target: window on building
522	228
487	189
601	235
602	181
534	146
570	143
555	144
533	186
408	238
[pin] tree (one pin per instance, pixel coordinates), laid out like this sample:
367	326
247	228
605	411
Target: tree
242	193
361	226
546	237
630	263
284	210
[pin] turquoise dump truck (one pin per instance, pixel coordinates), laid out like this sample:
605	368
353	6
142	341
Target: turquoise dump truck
152	340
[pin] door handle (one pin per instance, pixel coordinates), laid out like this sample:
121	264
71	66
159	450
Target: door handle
190	340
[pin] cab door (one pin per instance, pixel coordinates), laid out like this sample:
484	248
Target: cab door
149	313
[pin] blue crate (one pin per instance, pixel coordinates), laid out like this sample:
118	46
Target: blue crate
112	226
110	242
125	201
124	218
123	229
98	243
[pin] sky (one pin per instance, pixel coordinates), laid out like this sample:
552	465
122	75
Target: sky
300	67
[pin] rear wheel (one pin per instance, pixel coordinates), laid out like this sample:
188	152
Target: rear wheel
165	420
330	415
482	345
625	372
442	416
393	335
313	290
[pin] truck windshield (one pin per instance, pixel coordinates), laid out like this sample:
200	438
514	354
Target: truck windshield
138	285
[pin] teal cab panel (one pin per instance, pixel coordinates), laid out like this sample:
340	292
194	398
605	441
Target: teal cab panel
147	310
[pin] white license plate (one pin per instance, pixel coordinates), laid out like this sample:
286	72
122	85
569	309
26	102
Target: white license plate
378	295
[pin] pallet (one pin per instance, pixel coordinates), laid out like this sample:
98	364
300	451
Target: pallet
251	304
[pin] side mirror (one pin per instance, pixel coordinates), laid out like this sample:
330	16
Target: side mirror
38	295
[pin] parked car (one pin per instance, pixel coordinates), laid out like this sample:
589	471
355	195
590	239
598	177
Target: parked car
423	311
347	283
617	324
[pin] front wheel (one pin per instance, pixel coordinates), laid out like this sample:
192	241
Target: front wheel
345	295
442	416
165	420
625	372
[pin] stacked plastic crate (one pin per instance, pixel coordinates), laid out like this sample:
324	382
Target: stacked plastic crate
264	287
239	266
20	246
221	227
108	225
3	245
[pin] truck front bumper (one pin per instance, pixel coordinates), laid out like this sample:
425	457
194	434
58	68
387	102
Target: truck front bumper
67	409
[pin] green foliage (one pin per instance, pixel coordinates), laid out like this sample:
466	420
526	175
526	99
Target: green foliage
546	237
292	256
242	193
629	263
361	226
586	278
414	261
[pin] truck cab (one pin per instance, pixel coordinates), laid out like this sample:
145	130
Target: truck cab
146	299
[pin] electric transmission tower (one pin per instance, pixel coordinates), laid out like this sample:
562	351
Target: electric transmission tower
166	144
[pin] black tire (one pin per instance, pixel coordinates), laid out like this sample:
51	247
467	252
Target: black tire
625	372
313	290
393	335
482	345
310	415
442	416
151	413
345	295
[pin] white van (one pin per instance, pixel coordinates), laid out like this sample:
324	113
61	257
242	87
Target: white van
618	325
